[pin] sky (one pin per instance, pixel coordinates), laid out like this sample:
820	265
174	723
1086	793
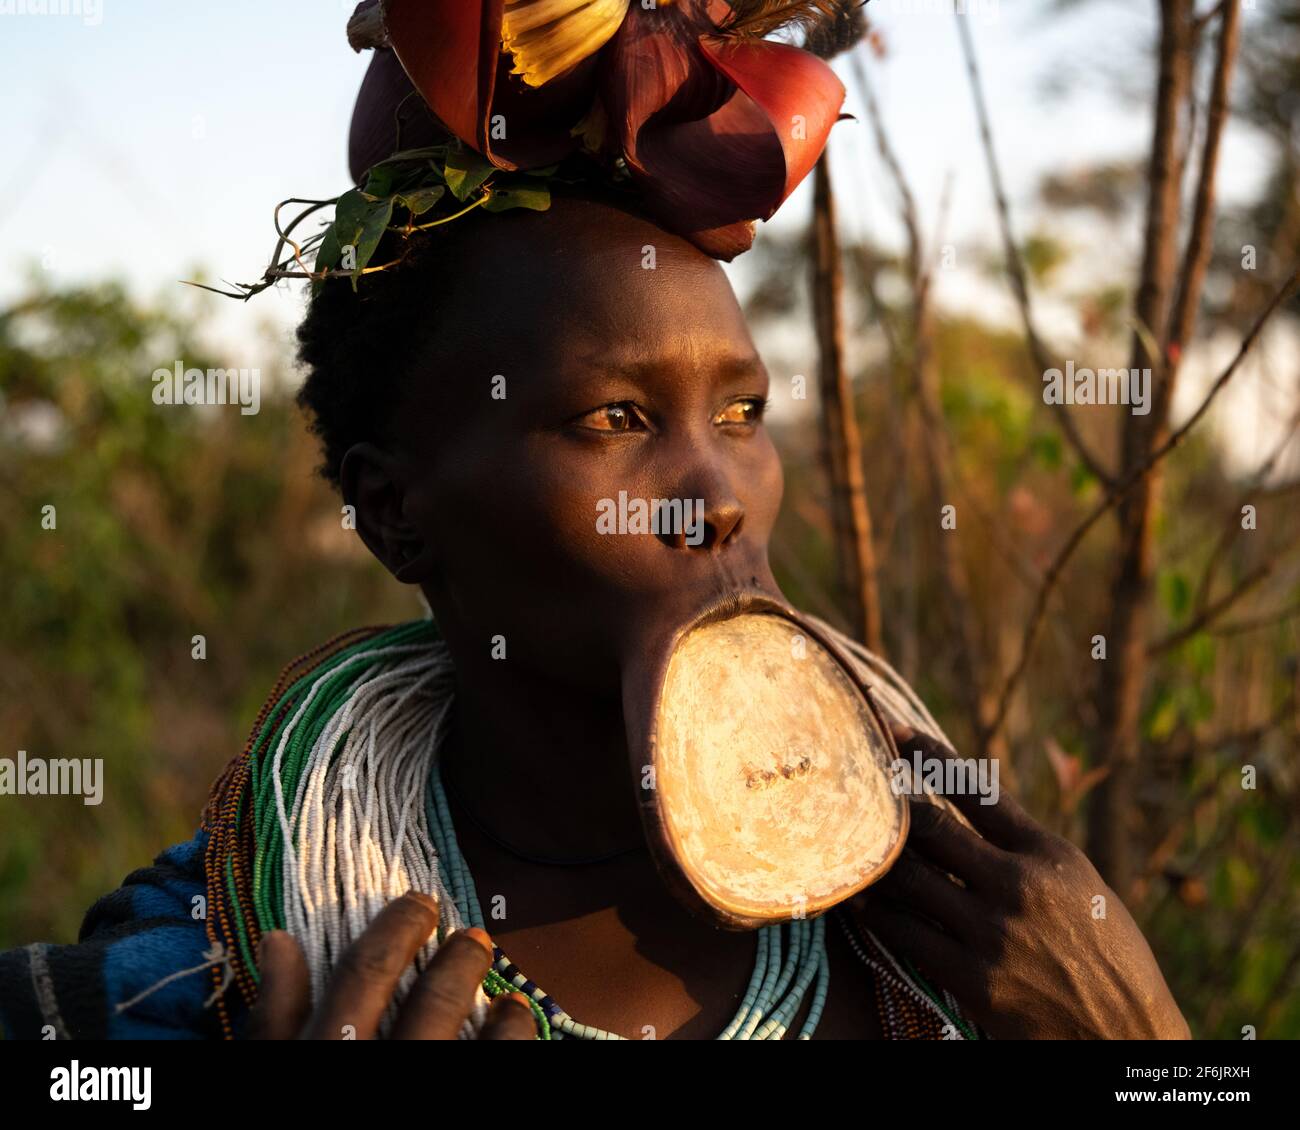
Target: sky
150	140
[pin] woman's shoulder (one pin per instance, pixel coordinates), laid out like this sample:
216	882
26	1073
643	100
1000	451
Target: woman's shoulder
140	968
146	965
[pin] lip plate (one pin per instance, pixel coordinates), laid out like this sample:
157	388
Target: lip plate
641	713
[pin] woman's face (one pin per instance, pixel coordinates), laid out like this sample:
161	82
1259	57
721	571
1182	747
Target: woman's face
587	364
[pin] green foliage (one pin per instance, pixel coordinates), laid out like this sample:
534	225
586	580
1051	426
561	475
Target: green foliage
465	172
172	522
990	417
1042	255
1175	591
1081	480
536	197
1046	447
360	221
406	187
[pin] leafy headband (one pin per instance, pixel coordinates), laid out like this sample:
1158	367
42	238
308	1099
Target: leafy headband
682	102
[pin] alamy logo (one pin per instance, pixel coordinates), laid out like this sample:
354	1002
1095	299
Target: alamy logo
651	516
1104	386
179	385
90	11
951	776
62	776
102	1084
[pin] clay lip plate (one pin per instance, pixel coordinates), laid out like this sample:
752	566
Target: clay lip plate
771	770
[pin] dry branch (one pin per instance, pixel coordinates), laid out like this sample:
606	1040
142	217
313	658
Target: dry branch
1015	262
1113	495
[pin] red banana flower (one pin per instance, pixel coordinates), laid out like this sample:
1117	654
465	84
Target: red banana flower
716	128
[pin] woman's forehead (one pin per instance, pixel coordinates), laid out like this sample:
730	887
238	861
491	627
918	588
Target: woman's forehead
581	240
583	276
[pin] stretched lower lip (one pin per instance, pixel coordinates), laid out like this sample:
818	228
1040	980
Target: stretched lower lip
766	775
733	602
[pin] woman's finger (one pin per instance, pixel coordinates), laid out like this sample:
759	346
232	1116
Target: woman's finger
510	1018
945	841
368	972
1001	821
441	999
925	889
284	997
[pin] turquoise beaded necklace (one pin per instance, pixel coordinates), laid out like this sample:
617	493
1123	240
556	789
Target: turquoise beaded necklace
320	822
776	990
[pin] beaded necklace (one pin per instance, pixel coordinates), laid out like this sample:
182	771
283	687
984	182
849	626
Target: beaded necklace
316	826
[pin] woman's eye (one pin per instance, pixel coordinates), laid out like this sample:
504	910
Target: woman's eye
612	418
747	411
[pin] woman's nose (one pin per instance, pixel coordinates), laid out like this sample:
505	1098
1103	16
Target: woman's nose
709	522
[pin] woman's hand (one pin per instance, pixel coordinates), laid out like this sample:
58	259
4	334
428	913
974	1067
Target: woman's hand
362	984
1025	946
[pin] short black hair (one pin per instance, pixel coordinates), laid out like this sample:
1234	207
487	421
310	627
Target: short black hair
358	346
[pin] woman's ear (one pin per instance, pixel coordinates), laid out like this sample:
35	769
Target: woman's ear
374	485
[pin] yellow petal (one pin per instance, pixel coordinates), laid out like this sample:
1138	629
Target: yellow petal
547	37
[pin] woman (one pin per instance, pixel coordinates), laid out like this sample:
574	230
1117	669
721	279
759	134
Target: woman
475	403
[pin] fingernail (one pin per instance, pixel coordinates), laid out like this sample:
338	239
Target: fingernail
523	1000
424	900
479	936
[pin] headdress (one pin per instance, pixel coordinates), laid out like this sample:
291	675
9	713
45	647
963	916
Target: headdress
684	106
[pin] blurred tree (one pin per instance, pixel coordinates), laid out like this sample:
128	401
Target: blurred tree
170	522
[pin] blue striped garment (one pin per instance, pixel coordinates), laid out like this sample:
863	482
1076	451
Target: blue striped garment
130	939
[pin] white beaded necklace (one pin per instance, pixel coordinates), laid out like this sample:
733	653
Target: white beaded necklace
369	820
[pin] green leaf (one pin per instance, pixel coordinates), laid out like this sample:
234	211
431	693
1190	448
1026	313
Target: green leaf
465	172
1176	592
327	254
1200	652
360	222
420	200
1043	255
1242	879
1200	704
350	216
379	181
1046	447
376	223
1163	720
1081	479
1266	825
536	197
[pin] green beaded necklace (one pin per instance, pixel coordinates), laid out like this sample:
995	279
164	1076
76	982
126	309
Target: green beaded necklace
329	790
